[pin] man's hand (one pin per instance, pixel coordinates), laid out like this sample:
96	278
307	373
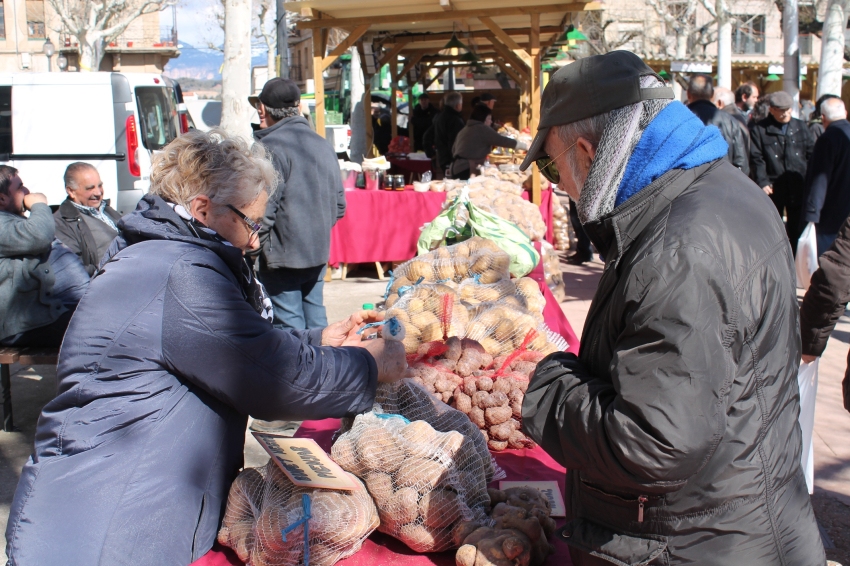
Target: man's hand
390	357
809	359
344	332
768	190
34	198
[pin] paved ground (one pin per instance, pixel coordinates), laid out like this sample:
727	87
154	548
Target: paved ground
33	387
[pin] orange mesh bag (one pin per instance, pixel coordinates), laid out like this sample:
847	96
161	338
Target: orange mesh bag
269	521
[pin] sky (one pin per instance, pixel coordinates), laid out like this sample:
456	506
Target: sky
196	23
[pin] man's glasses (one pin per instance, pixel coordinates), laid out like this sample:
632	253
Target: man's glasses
548	168
250	223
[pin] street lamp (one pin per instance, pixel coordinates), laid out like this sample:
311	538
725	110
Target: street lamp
48	49
62	62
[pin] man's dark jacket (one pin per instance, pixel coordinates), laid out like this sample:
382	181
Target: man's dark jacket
827	201
422	120
681	408
85	235
161	365
309	199
735	137
779	159
447	125
826	299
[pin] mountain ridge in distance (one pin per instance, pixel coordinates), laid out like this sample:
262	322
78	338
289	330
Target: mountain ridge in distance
201	63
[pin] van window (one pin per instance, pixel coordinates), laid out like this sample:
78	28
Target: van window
156	114
5	119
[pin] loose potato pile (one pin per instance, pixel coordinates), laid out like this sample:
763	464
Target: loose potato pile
502	199
522	523
520	178
262	502
424	482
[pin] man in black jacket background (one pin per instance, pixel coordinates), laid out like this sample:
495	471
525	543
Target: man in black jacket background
85	222
700	93
423	117
827	201
780	147
296	232
447	125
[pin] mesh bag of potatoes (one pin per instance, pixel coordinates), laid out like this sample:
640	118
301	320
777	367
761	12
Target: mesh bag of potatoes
424	482
477	258
552	271
502	329
429	313
263	504
523	293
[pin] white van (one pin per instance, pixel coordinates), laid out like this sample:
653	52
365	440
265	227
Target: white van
115	121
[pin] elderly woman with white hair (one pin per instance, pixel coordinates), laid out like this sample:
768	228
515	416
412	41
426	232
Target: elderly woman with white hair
165	358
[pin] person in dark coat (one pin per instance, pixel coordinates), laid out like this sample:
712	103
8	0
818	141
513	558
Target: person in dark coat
423	117
677	421
447	125
475	141
825	301
700	93
165	358
296	234
780	148
827	201
85	222
816	124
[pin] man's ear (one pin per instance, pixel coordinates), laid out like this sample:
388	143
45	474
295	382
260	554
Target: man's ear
586	152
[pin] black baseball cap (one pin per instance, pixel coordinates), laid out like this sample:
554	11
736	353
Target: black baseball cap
589	87
278	93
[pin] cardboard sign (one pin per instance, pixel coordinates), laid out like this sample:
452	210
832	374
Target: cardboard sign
305	463
549	489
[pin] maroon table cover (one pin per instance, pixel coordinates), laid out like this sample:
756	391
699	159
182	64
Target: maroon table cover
383	550
412	169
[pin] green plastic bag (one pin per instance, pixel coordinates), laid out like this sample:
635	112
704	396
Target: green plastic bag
463	220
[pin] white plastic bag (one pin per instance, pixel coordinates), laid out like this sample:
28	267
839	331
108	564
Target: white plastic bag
807	378
807	256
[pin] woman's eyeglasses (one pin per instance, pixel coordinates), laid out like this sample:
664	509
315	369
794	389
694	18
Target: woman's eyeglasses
548	168
255	228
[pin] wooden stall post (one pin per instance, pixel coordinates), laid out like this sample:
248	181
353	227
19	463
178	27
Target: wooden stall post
534	80
318	80
367	99
393	102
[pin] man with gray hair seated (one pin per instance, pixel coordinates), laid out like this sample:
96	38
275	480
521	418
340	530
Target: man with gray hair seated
677	421
827	200
85	222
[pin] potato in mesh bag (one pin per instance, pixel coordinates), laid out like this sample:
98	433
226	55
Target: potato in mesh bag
263	502
453	263
428	313
440	480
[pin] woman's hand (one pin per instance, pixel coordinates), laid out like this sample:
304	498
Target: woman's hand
390	357
344	332
808	359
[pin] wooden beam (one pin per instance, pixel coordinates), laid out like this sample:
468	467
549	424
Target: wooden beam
455	58
548	45
393	101
387	57
502	64
510	57
450	15
426	37
534	79
430	81
506	39
344	46
319	83
367	99
410	63
446	5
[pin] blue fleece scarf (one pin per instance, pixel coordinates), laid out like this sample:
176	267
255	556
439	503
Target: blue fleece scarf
675	139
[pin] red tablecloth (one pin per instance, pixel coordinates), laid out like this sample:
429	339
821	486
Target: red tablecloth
553	316
545	211
383	550
382	225
410	168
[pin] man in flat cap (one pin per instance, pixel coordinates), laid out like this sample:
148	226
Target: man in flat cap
780	149
296	232
677	422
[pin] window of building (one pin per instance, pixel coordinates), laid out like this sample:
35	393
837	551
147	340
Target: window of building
2	20
35	19
748	35
5	119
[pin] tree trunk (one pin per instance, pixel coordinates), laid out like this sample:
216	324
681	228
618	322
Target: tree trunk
724	50
236	72
791	53
271	60
91	53
681	54
832	50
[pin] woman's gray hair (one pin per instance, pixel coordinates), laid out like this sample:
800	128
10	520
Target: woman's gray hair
223	167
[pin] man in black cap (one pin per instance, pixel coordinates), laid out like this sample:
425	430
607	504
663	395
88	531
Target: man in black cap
310	199
423	117
780	148
677	422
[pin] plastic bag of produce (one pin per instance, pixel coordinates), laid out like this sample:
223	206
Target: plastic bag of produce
424	482
462	220
266	518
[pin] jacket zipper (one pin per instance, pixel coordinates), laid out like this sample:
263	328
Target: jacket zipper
641	500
